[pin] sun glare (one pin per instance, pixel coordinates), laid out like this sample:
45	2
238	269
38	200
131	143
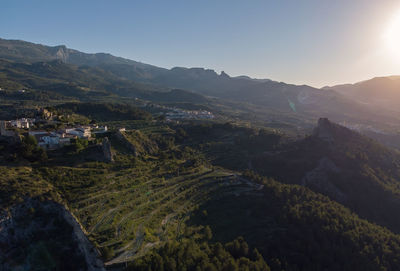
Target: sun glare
392	36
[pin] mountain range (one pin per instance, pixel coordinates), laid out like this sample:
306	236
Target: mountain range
369	105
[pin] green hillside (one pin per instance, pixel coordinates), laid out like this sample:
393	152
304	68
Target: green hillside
255	183
174	197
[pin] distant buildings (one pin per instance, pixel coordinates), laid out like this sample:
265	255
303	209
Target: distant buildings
45	139
49	139
99	129
175	113
56	139
52	140
186	114
60	138
22	123
81	132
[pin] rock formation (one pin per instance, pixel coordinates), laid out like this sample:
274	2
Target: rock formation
318	179
107	152
122	138
44	235
323	130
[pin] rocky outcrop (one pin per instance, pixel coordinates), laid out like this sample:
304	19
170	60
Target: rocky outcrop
84	246
323	130
107	152
127	144
44	235
62	55
137	142
318	179
331	132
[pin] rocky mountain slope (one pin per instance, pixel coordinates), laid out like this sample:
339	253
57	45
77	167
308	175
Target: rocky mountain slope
379	92
43	234
344	165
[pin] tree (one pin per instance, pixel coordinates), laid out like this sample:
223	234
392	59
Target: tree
208	233
80	144
42	155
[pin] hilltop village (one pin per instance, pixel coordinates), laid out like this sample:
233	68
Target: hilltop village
51	138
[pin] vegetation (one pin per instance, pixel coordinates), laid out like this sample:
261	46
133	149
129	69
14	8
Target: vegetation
349	168
178	196
296	229
189	255
104	112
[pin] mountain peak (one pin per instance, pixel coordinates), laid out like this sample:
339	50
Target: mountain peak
330	131
224	74
324	130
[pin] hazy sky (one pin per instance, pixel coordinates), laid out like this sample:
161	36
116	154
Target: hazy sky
315	42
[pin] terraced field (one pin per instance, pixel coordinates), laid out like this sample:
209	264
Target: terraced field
131	210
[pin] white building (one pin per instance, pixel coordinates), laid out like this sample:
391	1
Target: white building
51	140
21	123
81	132
100	129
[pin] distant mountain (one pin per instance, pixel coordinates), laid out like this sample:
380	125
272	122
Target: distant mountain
84	82
378	92
129	78
22	51
204	81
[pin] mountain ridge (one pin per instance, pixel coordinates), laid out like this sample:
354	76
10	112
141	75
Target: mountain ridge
261	97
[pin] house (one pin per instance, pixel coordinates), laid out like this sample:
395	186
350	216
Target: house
52	140
21	123
81	132
85	130
100	129
39	135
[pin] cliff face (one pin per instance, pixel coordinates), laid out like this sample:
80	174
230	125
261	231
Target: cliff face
107	152
62	53
36	235
319	179
331	132
136	142
127	144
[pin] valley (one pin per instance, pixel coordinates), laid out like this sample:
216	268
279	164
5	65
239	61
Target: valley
187	169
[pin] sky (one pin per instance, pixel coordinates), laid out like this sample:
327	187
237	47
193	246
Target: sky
314	42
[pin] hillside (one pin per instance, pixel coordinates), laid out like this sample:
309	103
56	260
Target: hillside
142	205
379	92
254	185
60	81
349	168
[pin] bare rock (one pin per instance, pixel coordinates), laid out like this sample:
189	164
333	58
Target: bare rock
318	178
107	152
